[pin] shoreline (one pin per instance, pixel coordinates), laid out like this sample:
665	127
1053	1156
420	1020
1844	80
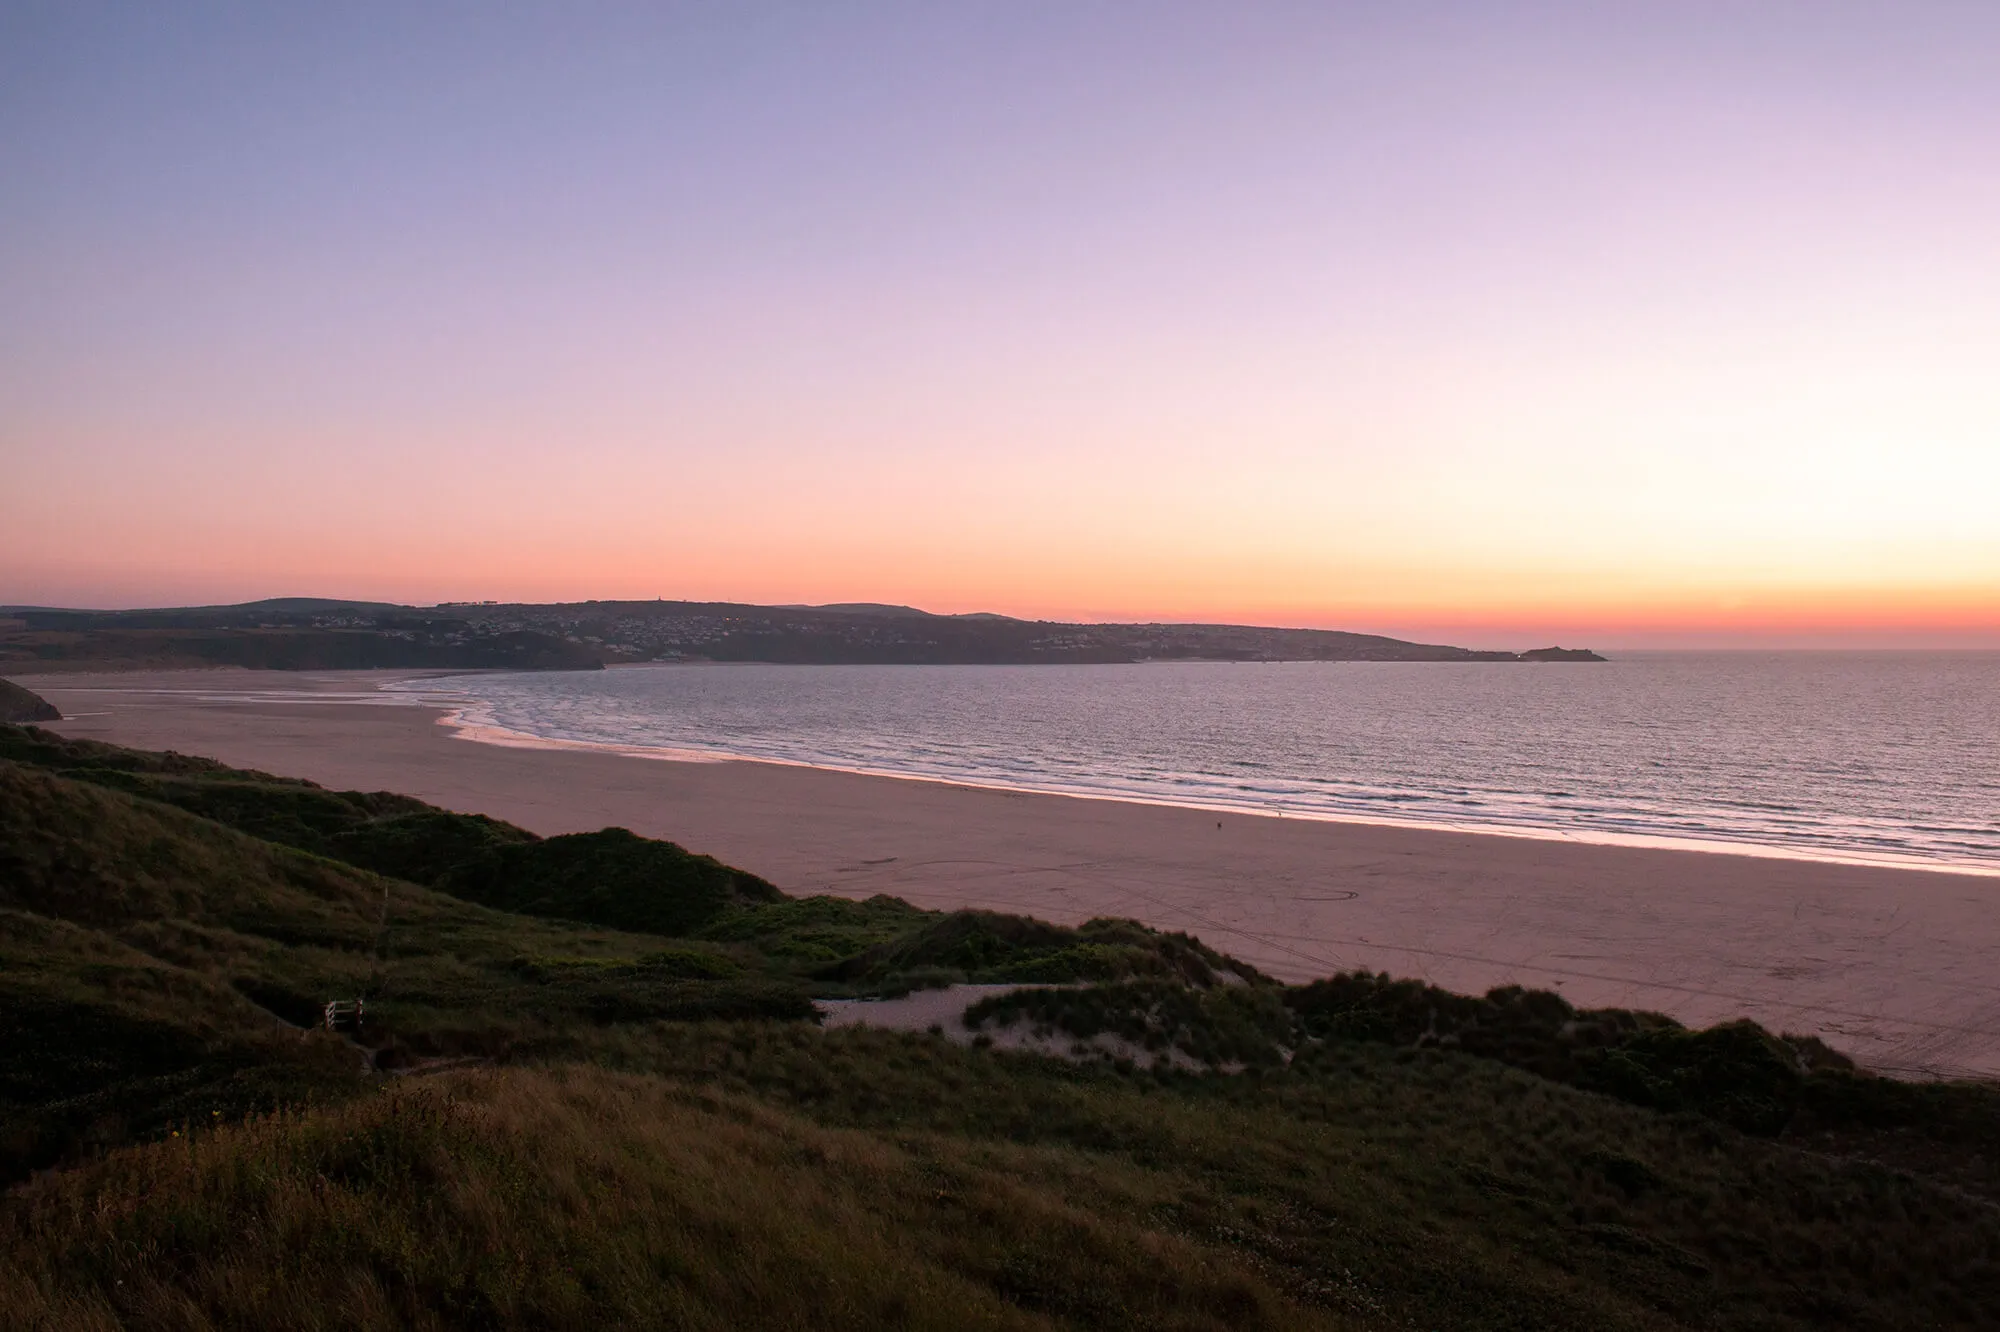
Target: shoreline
490	733
451	715
1889	964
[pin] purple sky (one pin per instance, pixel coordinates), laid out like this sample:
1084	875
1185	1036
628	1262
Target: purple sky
1673	322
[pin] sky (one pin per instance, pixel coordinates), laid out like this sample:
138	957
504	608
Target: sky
1498	324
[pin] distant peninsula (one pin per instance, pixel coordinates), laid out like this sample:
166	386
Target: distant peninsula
305	633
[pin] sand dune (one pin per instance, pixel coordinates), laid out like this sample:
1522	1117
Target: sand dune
1894	966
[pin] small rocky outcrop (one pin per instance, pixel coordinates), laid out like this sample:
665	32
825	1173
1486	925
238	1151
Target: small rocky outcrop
1560	654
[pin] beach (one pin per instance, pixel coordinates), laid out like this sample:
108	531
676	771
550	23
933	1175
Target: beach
1892	966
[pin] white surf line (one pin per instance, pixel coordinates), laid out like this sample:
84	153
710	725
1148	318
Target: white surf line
486	732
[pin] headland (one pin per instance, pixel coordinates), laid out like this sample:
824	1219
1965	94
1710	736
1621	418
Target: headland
311	633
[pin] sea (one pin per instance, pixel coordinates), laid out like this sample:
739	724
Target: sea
1873	757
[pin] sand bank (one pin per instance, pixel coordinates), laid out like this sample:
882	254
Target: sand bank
1897	967
942	1013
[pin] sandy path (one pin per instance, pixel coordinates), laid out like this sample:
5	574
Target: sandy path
1898	967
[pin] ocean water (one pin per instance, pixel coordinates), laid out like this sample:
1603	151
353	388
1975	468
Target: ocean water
1889	757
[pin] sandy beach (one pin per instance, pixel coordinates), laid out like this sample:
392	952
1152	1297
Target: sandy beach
1895	967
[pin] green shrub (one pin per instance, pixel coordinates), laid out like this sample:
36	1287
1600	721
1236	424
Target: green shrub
1737	1073
612	877
991	946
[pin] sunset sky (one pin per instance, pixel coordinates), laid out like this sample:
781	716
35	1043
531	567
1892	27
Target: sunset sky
1490	323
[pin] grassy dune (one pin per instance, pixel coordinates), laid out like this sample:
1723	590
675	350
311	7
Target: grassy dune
570	1197
610	1104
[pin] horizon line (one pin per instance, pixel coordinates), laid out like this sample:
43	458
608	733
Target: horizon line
1476	632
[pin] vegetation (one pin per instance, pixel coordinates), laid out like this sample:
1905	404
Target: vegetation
608	878
619	1111
988	946
291	635
1737	1074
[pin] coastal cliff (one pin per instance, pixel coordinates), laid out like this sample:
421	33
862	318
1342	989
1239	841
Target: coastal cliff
22	705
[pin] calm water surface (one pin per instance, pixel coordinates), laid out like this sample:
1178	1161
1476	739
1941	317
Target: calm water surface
1838	755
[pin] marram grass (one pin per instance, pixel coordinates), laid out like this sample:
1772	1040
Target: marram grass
581	1198
656	1133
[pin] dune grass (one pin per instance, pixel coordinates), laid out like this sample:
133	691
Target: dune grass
1445	1189
579	1198
611	877
150	958
761	1175
662	1135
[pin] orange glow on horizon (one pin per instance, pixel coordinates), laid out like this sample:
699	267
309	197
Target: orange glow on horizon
1422	604
1607	328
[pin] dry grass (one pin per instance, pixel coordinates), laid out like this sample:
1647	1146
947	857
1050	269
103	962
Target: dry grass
155	966
580	1198
1446	1190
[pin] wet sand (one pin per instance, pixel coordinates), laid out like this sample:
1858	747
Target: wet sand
1900	968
